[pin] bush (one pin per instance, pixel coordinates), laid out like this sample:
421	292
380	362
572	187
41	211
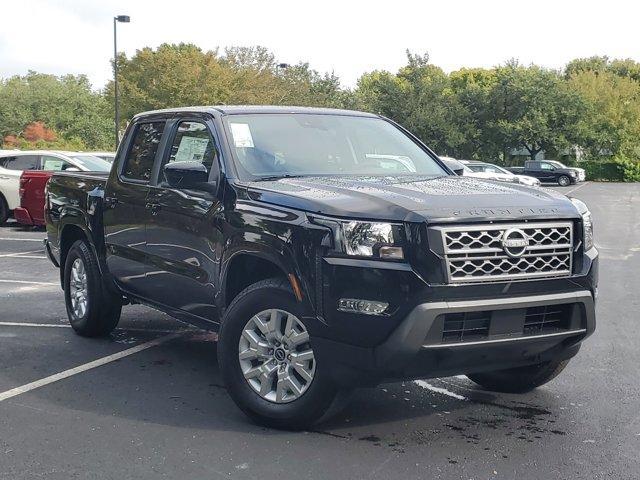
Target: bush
618	169
603	171
630	169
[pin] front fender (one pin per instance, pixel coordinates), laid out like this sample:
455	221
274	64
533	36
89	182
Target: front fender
273	234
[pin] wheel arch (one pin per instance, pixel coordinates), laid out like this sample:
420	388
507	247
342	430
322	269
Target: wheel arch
244	268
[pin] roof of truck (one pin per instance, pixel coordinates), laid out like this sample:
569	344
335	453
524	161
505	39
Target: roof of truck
248	109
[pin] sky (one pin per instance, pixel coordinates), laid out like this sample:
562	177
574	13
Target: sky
346	37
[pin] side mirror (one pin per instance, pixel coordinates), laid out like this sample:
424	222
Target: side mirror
454	165
72	169
186	175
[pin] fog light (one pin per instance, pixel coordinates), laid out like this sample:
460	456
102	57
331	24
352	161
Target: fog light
366	307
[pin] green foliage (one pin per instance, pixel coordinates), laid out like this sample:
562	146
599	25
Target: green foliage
181	75
65	104
611	124
532	108
619	169
630	169
603	171
593	105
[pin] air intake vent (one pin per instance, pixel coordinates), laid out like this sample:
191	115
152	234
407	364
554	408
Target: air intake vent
468	326
547	319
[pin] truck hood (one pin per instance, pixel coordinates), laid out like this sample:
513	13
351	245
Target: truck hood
420	198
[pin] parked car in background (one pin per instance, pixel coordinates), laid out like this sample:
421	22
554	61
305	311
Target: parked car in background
494	172
108	156
547	171
582	174
14	162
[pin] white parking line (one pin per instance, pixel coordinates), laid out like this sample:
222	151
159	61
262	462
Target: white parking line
577	188
25	324
37	257
14	392
23	239
66	325
17	254
24	282
443	391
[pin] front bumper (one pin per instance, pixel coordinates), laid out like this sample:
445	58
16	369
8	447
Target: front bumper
416	348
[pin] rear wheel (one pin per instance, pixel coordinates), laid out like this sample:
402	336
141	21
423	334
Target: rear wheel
92	310
521	379
266	357
4	210
564	181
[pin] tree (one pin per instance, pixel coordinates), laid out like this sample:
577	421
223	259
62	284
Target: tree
612	125
532	108
181	75
66	105
421	98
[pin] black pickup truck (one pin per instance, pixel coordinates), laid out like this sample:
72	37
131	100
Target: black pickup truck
330	249
550	171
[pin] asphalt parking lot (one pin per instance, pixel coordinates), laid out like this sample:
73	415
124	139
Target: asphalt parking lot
152	405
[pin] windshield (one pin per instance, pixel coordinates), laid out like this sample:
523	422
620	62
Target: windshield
489	168
556	164
280	145
501	170
91	163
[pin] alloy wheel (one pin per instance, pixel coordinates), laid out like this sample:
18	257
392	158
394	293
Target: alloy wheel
275	356
78	288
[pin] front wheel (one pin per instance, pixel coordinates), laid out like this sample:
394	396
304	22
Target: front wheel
564	181
266	357
92	310
521	379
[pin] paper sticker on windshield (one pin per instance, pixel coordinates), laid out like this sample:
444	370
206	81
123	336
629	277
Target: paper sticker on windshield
241	135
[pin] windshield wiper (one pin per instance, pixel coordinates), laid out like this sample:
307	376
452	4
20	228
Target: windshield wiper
278	177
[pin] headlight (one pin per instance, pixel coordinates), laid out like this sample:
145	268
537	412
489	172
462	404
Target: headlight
572	173
368	239
364	239
587	223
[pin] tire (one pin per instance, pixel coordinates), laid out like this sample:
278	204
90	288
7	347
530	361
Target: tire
261	397
83	281
521	379
564	181
4	210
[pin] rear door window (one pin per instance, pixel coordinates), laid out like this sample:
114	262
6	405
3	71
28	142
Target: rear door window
142	152
21	162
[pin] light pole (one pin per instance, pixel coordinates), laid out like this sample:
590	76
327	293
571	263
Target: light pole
122	19
281	66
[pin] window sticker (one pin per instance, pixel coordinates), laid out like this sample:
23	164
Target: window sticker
52	164
191	149
241	135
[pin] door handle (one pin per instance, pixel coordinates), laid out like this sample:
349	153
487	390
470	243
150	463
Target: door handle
153	207
110	202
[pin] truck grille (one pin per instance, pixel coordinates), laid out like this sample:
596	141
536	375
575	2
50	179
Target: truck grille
497	252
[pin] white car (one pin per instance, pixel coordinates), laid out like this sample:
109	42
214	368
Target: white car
108	156
14	162
494	172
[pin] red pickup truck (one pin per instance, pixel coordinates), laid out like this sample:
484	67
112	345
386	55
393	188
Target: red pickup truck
31	209
33	182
